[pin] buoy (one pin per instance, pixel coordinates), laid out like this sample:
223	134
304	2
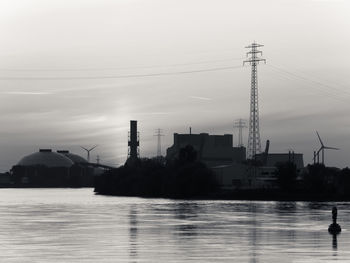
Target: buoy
334	228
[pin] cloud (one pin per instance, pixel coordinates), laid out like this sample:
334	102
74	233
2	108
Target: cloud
200	98
329	1
26	93
155	113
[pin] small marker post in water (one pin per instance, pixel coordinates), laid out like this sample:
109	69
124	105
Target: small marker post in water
334	228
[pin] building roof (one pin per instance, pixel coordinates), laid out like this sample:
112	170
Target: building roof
47	158
274	158
73	157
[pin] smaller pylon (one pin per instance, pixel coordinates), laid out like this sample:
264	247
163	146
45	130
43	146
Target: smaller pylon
240	124
159	135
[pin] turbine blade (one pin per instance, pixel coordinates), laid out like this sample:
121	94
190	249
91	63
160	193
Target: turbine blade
331	148
319	138
84	148
93	148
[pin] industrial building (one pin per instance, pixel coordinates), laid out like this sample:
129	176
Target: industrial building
46	157
229	163
273	159
213	150
261	174
46	168
244	176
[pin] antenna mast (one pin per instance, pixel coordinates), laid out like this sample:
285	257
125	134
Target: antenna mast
254	144
240	124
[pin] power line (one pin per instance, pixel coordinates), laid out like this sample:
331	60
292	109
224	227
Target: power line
330	91
308	79
342	85
119	68
122	76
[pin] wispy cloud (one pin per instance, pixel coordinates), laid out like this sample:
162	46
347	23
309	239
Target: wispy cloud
200	98
329	1
155	113
26	93
92	119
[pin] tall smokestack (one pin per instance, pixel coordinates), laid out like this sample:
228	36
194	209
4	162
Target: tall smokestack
133	140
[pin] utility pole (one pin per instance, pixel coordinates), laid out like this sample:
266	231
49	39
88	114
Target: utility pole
240	124
254	144
159	135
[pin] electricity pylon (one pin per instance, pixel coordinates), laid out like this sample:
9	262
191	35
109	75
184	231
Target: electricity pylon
240	124
159	135
254	144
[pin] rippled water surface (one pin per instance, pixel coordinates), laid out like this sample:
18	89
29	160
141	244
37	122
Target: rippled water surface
74	225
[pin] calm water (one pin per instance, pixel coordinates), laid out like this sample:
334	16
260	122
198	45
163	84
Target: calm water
74	225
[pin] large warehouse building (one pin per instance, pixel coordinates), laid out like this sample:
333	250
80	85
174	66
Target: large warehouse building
213	150
52	169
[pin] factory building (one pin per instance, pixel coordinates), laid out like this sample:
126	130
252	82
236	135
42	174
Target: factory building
273	159
259	176
229	163
52	169
244	176
213	150
76	159
46	158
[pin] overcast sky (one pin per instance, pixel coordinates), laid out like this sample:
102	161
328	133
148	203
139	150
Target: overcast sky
67	73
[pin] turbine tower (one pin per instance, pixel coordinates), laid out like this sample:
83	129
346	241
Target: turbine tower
159	135
322	148
254	144
88	151
240	124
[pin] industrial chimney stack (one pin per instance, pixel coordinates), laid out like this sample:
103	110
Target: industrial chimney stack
133	142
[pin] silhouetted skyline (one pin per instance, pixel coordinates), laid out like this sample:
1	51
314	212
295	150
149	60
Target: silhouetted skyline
170	64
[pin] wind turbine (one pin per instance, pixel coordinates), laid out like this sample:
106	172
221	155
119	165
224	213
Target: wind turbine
322	148
88	152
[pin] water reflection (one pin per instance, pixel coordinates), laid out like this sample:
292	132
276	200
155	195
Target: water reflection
253	234
285	207
334	242
186	213
133	233
319	205
36	226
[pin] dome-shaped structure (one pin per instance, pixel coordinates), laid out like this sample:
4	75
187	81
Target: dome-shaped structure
47	158
73	157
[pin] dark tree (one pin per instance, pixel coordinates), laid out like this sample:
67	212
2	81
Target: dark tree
286	176
184	178
187	154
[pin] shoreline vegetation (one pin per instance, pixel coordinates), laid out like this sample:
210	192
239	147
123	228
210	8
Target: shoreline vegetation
187	178
182	178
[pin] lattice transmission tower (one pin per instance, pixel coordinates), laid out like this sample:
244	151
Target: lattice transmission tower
240	124
254	144
159	135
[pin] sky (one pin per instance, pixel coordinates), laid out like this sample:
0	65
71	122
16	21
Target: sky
75	72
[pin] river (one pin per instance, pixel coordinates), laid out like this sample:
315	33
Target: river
75	225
